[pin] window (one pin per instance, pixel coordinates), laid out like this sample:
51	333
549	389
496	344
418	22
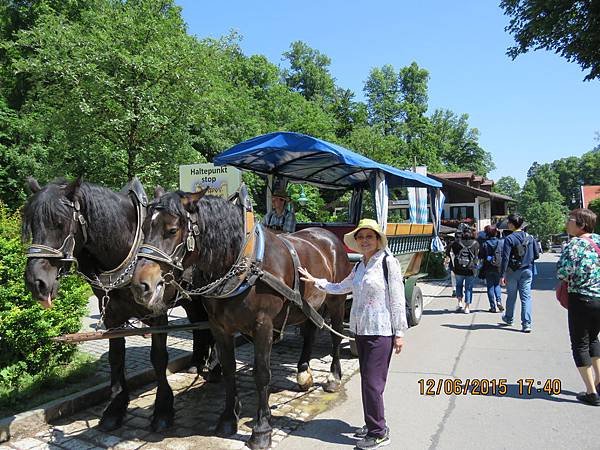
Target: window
461	212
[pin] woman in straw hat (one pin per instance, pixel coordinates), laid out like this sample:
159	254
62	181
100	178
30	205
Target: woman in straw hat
377	318
280	219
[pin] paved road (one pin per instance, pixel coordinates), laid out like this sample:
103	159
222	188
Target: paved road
445	346
455	346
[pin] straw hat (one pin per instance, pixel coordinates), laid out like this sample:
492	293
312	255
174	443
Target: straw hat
368	224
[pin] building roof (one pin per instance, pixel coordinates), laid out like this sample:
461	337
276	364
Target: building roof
473	190
453	175
589	193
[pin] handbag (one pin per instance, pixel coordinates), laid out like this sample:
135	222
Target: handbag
562	294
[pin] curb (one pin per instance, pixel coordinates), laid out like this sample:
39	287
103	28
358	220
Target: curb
26	422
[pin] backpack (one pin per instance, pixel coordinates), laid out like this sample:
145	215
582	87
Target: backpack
465	259
515	261
496	260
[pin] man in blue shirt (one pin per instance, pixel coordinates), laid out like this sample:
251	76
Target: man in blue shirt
518	254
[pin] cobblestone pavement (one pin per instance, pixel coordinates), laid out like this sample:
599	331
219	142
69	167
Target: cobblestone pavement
198	404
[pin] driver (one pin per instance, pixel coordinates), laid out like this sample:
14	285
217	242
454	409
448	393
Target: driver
280	219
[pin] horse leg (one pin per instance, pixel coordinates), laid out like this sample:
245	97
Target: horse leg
113	415
228	421
335	306
162	417
263	342
203	354
304	377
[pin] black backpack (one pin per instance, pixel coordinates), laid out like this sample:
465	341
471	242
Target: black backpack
496	255
515	261
465	259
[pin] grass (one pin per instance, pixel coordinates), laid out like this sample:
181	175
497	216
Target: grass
36	390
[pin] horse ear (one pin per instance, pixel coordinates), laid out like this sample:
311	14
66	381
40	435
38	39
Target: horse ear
159	191
190	200
33	184
72	188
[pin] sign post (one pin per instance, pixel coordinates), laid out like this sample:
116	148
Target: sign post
221	180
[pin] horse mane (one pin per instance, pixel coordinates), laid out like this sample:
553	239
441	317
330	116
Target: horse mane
42	208
221	231
109	228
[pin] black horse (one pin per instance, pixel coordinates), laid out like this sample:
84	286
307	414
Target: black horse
216	227
96	227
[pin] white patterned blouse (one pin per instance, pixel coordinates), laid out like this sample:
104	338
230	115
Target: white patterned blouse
376	311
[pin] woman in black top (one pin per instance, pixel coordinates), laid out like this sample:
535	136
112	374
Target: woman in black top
464	253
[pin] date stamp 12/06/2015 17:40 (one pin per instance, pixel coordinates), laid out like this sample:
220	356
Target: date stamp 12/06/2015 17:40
491	386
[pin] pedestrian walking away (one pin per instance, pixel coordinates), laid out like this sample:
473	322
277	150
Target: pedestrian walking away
490	254
377	319
518	255
579	265
465	250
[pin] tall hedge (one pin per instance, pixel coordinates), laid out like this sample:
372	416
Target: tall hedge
25	327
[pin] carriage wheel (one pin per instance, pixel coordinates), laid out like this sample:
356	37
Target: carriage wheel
415	307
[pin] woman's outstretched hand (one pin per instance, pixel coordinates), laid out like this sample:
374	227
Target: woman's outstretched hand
305	276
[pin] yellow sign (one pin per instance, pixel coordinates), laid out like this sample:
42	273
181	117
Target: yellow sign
221	180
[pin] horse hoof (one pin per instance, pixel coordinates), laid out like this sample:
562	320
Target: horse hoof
226	428
162	423
332	384
213	376
305	379
260	440
110	423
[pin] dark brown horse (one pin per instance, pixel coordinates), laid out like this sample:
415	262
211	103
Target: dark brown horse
259	311
96	227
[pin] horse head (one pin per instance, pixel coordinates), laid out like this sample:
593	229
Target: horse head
167	233
54	224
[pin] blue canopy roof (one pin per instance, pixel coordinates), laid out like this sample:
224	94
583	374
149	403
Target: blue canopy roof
307	159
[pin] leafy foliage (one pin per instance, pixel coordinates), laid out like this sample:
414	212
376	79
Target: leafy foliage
26	328
595	206
570	28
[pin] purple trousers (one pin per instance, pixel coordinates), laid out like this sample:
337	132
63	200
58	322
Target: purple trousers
374	354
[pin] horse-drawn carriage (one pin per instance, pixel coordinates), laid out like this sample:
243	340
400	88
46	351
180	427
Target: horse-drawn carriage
304	159
247	282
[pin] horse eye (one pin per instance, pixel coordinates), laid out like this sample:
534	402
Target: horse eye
172	231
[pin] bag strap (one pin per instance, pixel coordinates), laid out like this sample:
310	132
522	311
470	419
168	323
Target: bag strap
384	267
593	244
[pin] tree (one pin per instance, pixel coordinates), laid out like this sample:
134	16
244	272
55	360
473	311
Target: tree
545	219
114	93
589	167
507	186
457	144
595	207
412	85
309	72
382	89
570	28
569	179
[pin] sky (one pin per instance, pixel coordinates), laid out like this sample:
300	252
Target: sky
536	108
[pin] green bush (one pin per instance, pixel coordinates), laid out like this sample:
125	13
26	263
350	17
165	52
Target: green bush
433	264
26	329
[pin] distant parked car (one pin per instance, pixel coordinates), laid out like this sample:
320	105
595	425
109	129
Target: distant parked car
556	248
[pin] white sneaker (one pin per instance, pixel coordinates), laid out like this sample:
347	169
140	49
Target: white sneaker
467	310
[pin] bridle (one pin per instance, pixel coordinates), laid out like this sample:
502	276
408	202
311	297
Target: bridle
175	259
65	252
